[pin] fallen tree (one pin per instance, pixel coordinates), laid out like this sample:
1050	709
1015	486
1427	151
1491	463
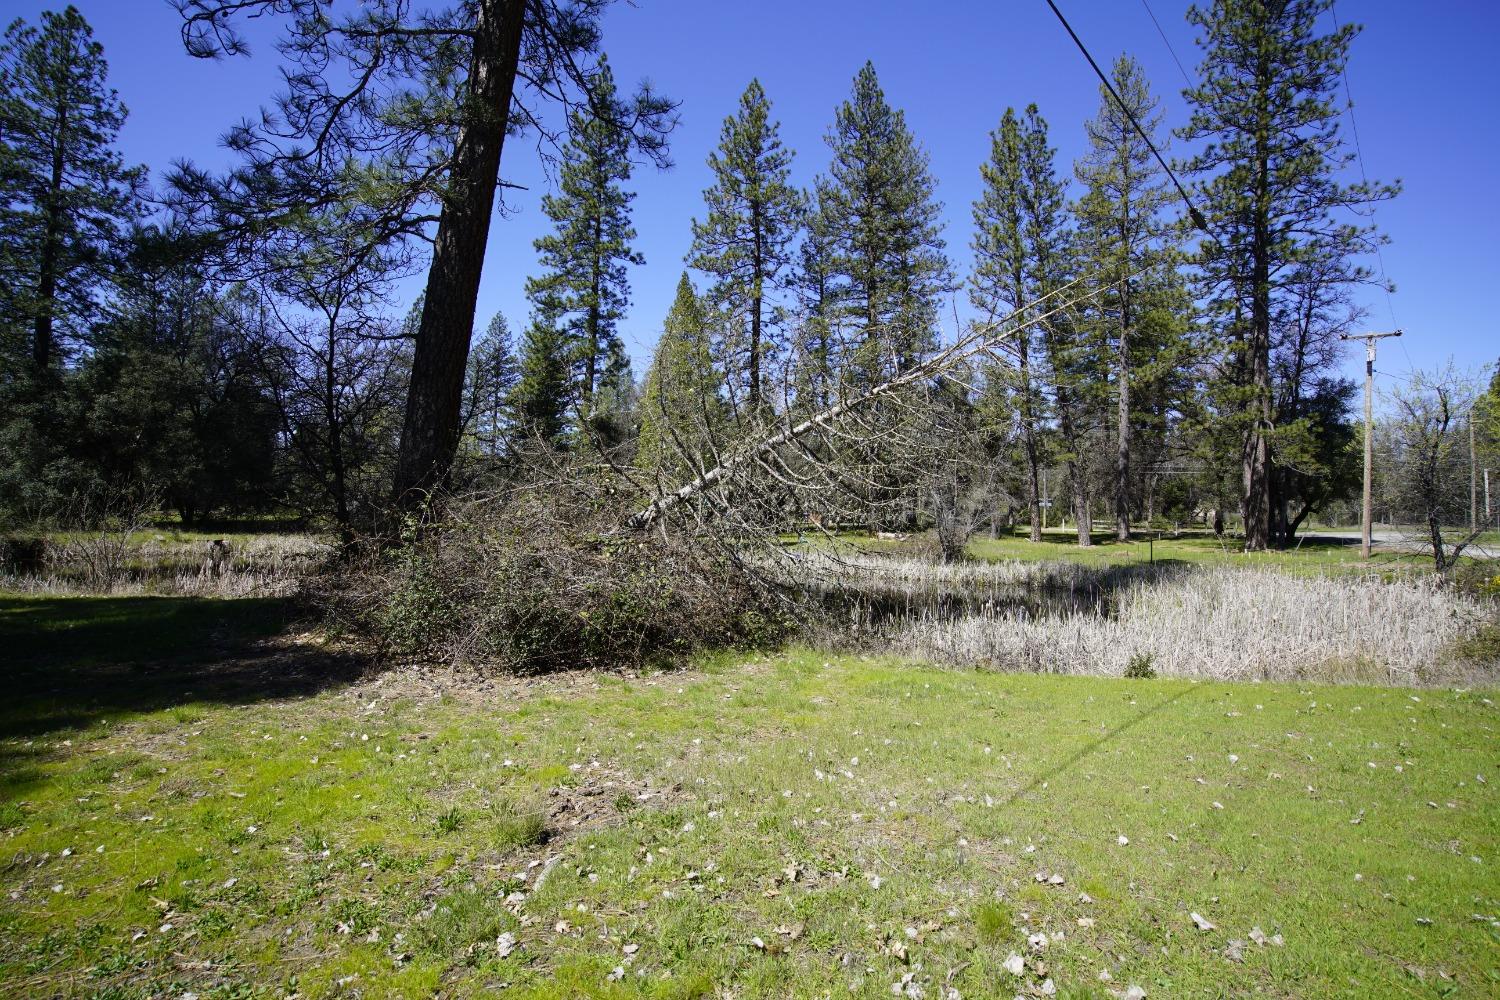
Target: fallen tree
985	339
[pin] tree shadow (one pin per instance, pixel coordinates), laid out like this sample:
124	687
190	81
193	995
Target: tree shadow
71	662
1095	744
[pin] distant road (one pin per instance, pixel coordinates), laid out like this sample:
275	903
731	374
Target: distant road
1393	540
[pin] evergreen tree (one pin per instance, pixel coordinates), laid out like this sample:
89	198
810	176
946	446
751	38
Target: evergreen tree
746	239
1004	282
426	95
492	378
1069	359
1122	237
681	406
614	422
543	391
888	261
1267	114
814	350
584	291
66	196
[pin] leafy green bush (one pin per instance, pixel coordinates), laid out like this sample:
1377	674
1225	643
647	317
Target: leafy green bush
1141	666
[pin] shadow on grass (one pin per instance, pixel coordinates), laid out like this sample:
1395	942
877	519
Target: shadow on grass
1093	746
235	526
69	662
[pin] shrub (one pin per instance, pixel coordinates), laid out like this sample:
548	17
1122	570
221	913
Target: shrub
543	578
1140	666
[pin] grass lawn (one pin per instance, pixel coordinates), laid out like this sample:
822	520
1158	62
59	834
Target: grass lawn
1197	549
1326	555
759	826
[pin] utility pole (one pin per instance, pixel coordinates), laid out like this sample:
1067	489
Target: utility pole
1473	479
1369	339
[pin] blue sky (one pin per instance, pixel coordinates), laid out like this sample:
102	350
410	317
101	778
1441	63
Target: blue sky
1420	76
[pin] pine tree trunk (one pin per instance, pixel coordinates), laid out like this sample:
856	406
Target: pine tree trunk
1257	458
1257	452
337	472
42	343
1077	480
591	362
429	435
755	309
1122	442
1081	511
1028	442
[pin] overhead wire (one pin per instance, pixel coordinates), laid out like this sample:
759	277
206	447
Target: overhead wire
1185	78
1359	156
1197	216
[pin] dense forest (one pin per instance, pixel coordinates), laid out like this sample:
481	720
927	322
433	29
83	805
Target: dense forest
230	344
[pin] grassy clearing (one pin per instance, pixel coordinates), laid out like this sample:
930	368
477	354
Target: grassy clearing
1324	556
864	820
169	561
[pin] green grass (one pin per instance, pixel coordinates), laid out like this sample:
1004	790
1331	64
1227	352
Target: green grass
1197	549
363	839
76	662
1194	548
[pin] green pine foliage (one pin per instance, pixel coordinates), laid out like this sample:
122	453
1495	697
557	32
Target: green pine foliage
614	421
1128	248
682	405
813	344
745	240
887	259
66	196
543	393
492	377
584	289
1267	116
1069	357
1007	277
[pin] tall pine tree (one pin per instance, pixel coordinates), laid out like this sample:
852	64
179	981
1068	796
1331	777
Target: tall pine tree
66	195
745	241
584	290
1003	284
880	213
681	406
1122	237
492	378
813	348
1050	250
543	393
1267	113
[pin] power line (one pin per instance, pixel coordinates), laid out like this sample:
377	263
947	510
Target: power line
1185	78
1359	156
1193	212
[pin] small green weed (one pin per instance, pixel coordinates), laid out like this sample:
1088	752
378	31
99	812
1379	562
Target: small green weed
450	821
1140	667
994	920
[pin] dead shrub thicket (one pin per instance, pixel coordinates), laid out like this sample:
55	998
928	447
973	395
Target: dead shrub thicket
537	576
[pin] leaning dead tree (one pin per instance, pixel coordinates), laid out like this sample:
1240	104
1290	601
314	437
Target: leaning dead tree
627	550
878	443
